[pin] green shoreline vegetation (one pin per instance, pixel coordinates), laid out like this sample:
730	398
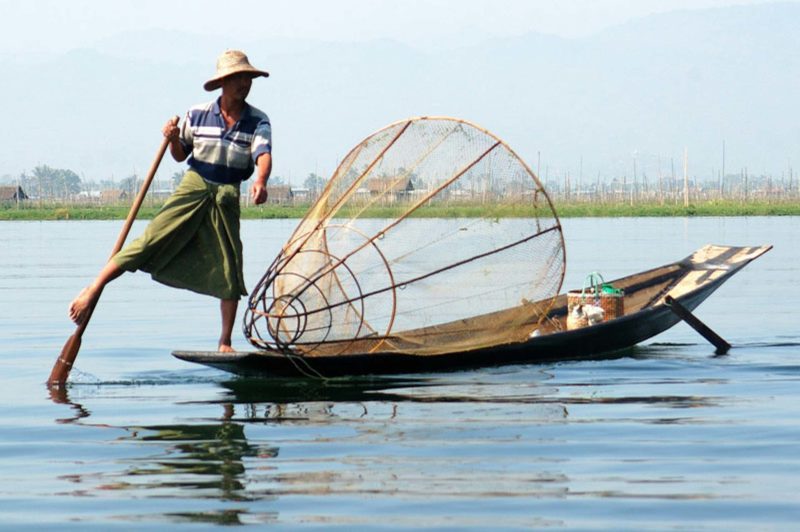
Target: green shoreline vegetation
14	211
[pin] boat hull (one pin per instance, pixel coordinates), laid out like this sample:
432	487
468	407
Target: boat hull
695	279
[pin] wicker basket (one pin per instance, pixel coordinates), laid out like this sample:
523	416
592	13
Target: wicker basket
595	292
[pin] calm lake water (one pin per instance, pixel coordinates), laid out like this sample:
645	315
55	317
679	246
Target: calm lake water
665	436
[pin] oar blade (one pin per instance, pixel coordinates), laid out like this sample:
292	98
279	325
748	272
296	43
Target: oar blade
63	365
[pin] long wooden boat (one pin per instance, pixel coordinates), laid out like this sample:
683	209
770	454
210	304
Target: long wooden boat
646	314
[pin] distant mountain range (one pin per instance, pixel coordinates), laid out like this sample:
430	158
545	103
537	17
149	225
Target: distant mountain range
633	96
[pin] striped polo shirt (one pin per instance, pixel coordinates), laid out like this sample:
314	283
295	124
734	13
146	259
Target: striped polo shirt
223	155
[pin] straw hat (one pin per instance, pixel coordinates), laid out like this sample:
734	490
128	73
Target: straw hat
229	63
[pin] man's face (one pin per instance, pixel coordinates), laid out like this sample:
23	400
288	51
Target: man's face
237	85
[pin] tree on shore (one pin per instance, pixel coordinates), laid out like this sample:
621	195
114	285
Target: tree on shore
176	178
47	182
314	183
130	185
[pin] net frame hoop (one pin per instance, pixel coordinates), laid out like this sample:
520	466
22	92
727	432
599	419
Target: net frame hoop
311	281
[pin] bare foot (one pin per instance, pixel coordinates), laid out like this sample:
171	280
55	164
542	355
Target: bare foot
225	348
79	308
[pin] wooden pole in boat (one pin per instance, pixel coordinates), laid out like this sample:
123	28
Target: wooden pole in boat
686	315
60	372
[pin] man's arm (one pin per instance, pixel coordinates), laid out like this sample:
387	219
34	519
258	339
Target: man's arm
258	191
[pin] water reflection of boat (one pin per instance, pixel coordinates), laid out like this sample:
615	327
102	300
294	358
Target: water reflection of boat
646	314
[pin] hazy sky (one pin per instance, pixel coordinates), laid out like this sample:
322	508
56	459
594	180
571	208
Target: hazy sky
53	25
651	123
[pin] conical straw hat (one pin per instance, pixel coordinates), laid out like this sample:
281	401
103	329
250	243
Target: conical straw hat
229	63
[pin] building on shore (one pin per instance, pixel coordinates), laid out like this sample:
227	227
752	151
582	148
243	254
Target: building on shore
12	194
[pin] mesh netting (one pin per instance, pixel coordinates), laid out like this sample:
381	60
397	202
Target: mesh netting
432	236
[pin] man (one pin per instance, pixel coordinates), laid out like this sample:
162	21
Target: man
193	242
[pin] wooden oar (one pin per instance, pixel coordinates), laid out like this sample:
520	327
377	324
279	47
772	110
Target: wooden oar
63	365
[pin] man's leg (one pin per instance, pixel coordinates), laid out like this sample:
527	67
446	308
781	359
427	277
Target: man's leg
227	308
79	308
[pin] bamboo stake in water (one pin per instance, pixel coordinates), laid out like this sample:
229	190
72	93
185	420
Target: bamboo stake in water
686	177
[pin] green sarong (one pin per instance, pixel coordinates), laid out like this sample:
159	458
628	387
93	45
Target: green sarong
193	242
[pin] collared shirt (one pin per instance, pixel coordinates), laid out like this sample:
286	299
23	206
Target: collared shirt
222	155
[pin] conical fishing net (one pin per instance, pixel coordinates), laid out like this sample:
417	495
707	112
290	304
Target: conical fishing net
432	236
